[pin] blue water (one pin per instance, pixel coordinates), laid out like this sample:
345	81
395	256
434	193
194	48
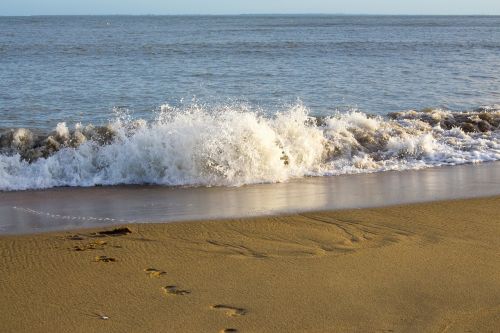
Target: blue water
235	100
78	68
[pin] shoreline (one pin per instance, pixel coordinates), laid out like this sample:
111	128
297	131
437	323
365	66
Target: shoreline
419	267
76	208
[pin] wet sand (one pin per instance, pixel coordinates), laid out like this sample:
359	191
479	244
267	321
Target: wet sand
428	267
70	208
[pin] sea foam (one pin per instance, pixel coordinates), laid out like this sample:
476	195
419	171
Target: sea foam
233	146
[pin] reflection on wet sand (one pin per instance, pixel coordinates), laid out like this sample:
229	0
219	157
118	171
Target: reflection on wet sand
69	208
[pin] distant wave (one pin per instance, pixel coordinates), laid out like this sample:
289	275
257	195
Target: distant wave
233	146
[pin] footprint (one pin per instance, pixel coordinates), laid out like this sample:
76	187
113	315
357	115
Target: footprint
73	237
104	233
104	259
153	272
114	232
172	290
90	246
231	311
229	330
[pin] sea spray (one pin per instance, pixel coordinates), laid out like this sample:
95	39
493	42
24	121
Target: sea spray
233	146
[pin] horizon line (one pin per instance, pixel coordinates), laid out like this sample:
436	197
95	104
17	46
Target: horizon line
252	14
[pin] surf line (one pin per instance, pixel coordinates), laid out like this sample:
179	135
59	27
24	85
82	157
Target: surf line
69	217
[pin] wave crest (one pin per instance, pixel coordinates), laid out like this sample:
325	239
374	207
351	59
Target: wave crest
234	146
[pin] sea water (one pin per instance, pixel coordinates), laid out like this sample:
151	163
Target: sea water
234	100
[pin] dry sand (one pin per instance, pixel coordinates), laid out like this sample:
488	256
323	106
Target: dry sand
432	267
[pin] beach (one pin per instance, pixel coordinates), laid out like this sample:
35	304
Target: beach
249	172
426	267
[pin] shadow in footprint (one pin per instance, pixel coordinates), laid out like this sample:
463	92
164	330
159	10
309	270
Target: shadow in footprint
229	330
173	290
114	232
231	311
104	259
153	272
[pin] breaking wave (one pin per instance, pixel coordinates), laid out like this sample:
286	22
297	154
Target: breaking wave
236	146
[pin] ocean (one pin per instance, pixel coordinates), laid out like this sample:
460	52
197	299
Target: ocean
236	100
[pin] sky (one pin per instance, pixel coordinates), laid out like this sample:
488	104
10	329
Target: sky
161	7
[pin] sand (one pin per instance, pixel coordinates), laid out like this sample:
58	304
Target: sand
432	267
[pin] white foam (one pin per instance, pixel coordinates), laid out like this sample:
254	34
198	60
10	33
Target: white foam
62	131
234	146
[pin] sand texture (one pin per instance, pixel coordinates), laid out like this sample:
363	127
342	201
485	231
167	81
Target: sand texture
432	267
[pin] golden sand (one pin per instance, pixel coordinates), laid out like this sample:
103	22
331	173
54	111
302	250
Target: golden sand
432	267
